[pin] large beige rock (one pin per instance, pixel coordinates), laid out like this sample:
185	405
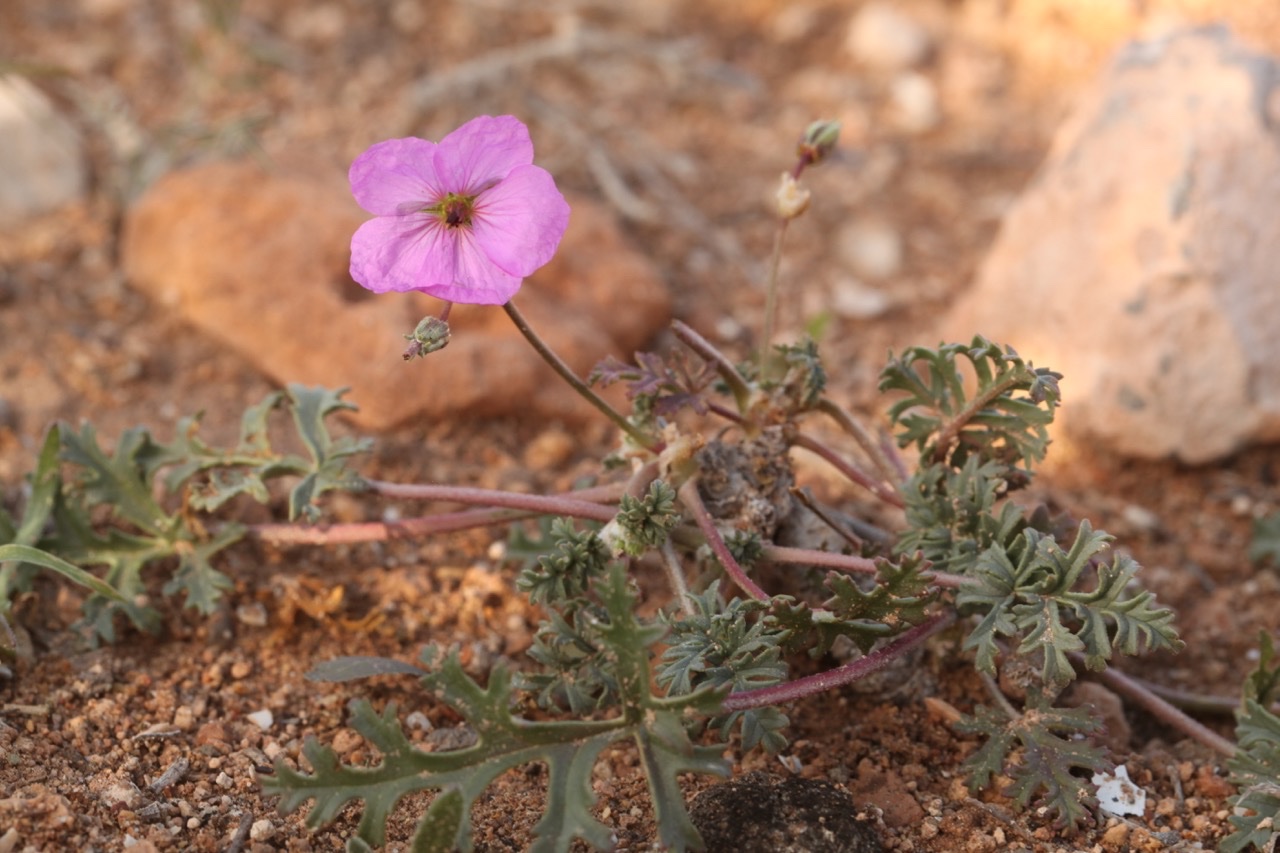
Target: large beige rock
259	261
1144	260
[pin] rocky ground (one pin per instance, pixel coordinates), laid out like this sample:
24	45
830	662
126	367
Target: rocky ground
671	123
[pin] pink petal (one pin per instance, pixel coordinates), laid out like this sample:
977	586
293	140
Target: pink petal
396	176
400	253
519	222
418	253
477	280
482	152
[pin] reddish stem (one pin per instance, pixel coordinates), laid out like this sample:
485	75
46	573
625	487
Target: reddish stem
693	502
850	470
724	367
805	556
1159	708
850	672
501	507
542	504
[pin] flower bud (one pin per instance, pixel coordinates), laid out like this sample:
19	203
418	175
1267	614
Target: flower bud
792	198
818	140
431	334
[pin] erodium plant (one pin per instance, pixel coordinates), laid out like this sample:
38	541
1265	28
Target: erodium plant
701	487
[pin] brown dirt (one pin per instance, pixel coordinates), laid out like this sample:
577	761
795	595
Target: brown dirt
695	106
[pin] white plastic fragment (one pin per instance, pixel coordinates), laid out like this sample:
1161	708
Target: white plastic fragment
1118	795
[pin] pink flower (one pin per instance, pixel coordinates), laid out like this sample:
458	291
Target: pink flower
465	219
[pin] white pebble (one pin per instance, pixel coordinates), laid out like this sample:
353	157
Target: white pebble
262	719
871	249
915	102
852	299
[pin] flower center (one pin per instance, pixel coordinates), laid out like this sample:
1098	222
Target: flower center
453	210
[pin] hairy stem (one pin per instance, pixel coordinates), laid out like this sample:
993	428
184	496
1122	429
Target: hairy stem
805	556
675	574
724	367
382	531
1159	708
853	472
693	502
1198	703
870	446
997	696
852	530
502	507
431	492
850	672
951	430
567	374
771	298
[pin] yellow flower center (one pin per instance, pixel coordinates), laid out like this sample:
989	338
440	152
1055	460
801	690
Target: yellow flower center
453	210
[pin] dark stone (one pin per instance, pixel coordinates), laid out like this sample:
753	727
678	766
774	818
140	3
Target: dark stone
758	814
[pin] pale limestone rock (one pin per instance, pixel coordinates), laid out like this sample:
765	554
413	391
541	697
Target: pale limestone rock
41	163
259	261
1144	260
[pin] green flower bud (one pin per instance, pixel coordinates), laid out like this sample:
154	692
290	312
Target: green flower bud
431	334
819	139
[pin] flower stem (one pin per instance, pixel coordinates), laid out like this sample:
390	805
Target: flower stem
567	374
848	673
693	502
771	298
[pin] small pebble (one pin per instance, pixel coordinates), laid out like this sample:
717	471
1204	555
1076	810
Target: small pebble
852	299
549	450
262	719
253	614
346	741
915	103
871	249
184	718
262	830
883	37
